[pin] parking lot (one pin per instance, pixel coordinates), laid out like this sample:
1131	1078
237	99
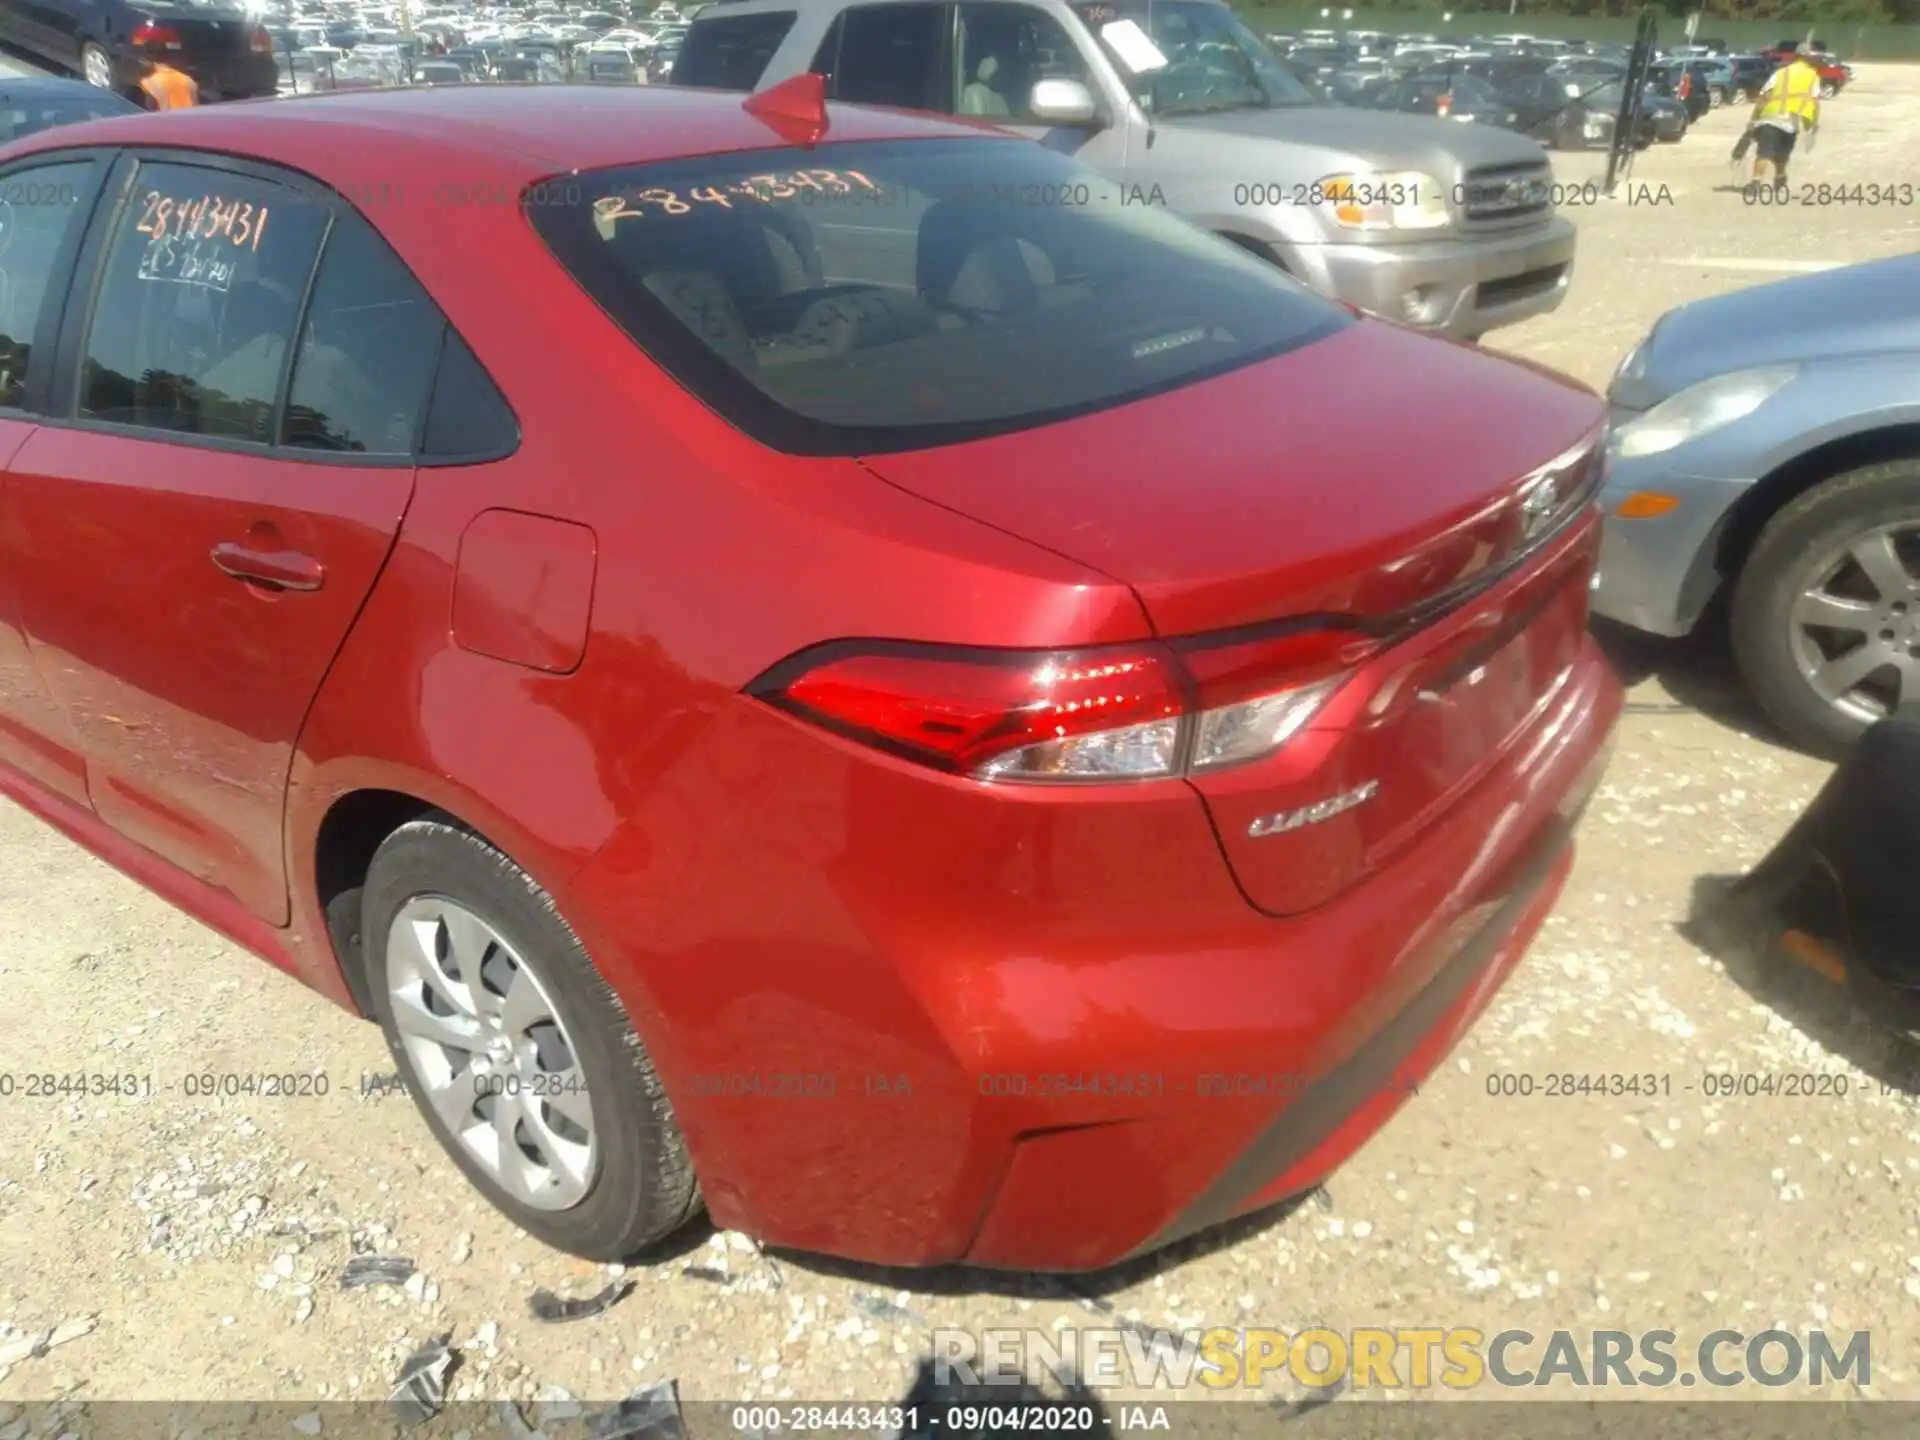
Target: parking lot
204	1236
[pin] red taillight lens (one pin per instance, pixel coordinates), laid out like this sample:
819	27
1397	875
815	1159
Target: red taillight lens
156	37
1135	712
1061	715
261	42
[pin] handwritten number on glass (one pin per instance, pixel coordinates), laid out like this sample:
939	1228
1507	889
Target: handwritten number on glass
805	185
237	221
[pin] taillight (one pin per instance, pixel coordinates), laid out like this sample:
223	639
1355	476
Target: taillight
261	43
150	36
1444	104
1125	712
1252	696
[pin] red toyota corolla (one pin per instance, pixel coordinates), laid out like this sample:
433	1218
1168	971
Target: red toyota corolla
784	674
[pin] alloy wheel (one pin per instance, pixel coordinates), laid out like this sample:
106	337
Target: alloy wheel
97	69
491	1053
1856	624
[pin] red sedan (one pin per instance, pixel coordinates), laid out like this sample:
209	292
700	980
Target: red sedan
817	664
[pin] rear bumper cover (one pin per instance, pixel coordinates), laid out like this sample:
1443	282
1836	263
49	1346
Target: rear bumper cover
909	1022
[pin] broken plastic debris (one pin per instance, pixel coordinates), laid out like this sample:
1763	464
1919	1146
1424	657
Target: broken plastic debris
422	1387
376	1270
706	1272
554	1309
37	1344
653	1412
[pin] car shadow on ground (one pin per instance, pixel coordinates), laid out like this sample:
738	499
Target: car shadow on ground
1696	671
1764	953
1088	1287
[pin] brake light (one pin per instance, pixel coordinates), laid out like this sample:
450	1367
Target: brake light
1444	104
1125	712
150	36
260	42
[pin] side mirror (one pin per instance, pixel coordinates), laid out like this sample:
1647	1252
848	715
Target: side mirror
1062	102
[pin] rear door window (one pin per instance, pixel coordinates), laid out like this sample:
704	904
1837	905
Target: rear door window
895	55
862	297
731	52
40	210
198	303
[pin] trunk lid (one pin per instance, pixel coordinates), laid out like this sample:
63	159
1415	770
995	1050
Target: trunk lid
1378	477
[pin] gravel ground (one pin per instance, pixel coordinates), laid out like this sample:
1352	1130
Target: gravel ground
193	1248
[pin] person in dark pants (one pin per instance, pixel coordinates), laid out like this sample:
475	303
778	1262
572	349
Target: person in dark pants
1789	105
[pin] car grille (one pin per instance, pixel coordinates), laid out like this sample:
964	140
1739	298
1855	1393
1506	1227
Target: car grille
1491	294
1501	195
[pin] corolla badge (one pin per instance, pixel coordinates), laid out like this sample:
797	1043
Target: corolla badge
1313	814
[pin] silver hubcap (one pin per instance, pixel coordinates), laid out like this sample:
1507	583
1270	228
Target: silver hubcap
98	71
1856	627
490	1053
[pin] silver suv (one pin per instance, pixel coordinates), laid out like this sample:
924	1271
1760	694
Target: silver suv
1447	226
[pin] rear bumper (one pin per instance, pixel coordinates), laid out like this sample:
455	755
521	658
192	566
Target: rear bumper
1465	287
915	1021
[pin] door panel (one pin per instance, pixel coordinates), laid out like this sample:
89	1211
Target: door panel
186	683
34	736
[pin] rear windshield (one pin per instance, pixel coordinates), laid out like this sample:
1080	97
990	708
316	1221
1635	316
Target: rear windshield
860	298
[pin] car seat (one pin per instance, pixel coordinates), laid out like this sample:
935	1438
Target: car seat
969	263
978	97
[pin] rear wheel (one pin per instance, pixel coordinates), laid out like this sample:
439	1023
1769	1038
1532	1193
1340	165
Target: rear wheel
96	66
520	1057
1828	89
1826	612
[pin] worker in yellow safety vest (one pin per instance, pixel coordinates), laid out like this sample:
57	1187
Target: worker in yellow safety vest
1789	106
169	89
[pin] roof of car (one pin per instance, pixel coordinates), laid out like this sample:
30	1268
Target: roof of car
40	87
542	129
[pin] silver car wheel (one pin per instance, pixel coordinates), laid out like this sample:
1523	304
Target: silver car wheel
1856	626
490	1052
96	67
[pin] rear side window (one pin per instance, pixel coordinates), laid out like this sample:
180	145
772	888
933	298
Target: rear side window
39	209
367	351
469	418
731	52
198	303
863	297
895	55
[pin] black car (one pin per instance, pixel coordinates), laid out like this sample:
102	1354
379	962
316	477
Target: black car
603	67
1445	93
1549	114
1670	78
113	44
30	103
660	62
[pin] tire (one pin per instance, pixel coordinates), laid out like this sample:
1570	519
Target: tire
1791	555
96	66
1828	89
637	1185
